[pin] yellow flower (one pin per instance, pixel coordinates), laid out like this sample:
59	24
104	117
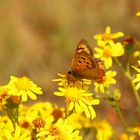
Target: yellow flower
78	100
103	39
138	14
7	132
23	87
61	130
76	96
107	52
107	80
137	79
104	130
18	134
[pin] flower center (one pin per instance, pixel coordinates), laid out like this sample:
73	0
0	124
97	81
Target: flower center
39	123
107	37
73	94
107	53
57	113
101	127
54	131
23	84
3	95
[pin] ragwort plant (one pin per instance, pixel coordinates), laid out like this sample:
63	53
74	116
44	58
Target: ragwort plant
75	121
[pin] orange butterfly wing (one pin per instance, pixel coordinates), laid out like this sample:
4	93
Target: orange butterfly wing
83	64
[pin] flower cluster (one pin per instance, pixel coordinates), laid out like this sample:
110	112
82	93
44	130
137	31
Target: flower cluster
38	122
107	47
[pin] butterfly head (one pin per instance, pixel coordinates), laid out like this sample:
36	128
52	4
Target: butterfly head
74	74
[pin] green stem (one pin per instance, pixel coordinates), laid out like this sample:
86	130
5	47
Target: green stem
136	93
17	114
127	73
100	97
119	64
11	116
117	107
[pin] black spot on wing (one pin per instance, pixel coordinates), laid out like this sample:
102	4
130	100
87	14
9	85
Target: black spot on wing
80	61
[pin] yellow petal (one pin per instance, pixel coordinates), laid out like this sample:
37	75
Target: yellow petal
108	30
31	95
87	102
83	105
118	34
108	62
59	93
138	86
13	91
101	43
101	88
96	85
95	102
92	112
78	108
136	80
87	113
24	97
117	50
36	90
137	69
71	106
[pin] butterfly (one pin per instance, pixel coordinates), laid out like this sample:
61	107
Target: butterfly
84	66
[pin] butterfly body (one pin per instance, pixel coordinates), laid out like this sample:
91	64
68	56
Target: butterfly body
84	66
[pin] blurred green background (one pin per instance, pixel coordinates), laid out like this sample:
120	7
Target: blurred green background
38	37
